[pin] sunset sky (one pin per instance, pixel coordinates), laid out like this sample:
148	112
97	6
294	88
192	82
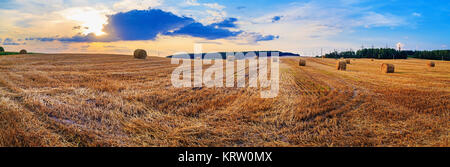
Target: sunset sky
164	27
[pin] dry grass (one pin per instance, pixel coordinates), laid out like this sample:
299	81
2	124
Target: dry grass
116	100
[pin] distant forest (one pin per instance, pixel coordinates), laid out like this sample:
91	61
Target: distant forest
387	53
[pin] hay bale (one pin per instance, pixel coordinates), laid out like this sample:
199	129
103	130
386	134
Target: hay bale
1	49
302	62
371	60
341	65
23	51
347	61
431	64
140	54
387	68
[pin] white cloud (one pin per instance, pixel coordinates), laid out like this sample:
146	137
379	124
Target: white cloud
214	6
417	14
127	5
209	5
372	19
192	2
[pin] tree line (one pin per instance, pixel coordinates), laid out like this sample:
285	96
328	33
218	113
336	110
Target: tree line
388	53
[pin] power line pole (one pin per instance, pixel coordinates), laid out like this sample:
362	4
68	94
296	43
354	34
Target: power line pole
321	53
373	51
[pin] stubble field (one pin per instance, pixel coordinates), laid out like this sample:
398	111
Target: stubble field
115	100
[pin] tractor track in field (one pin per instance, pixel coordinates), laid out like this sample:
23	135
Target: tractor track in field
353	100
54	124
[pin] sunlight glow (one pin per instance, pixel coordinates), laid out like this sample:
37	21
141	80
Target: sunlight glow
91	20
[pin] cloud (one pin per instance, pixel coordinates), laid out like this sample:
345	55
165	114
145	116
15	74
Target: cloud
251	38
144	24
192	2
266	38
417	14
276	19
208	32
76	28
227	23
128	5
148	24
214	6
10	41
209	5
240	7
41	39
372	19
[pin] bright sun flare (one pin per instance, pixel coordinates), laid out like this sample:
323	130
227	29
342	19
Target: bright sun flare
91	20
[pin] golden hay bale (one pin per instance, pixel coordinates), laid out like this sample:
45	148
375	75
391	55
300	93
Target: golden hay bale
341	65
140	54
431	64
302	63
23	51
347	61
387	68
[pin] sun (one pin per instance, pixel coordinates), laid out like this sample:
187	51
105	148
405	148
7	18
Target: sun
90	19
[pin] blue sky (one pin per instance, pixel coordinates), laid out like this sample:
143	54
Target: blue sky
167	26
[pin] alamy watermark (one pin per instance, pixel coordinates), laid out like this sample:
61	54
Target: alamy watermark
235	75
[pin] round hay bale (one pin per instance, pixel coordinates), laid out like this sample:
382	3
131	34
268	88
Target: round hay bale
23	51
431	64
302	62
347	61
341	65
1	49
140	54
387	68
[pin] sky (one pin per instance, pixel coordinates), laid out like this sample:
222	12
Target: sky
165	27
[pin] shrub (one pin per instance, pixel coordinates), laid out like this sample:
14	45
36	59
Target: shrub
23	51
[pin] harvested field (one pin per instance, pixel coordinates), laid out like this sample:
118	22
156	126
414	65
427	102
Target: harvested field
116	100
